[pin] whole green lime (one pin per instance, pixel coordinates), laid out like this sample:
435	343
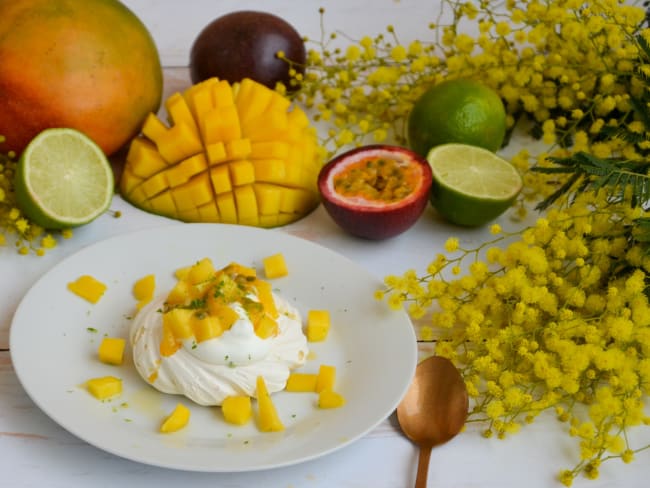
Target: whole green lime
457	111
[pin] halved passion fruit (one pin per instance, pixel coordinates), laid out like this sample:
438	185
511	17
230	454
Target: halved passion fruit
376	191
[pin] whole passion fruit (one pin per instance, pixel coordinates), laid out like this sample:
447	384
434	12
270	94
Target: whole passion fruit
245	44
376	191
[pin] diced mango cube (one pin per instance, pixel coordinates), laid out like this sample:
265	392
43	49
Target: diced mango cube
221	124
242	172
209	212
238	148
145	159
237	409
105	387
180	294
179	112
222	94
163	204
199	98
266	327
178	320
270	171
143	290
153	128
220	177
201	271
226	315
169	344
130	181
269	221
183	171
265	295
183	199
296	200
182	273
154	185
178	143
205	327
318	325
216	152
246	205
268	198
111	350
227	209
301	382
326	378
88	288
275	266
252	99
269	420
178	419
330	399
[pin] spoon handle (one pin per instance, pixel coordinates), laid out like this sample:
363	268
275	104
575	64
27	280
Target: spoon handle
423	467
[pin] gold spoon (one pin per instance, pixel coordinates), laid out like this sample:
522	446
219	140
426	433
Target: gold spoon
433	410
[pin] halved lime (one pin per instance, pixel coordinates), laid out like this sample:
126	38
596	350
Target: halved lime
63	179
471	185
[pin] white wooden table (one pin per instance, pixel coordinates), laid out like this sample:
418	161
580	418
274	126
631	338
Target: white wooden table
36	452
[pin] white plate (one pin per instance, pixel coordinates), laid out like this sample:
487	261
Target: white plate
55	335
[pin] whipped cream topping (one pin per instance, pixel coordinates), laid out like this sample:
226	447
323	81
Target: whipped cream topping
220	367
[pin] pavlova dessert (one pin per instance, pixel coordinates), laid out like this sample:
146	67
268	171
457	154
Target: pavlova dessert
215	333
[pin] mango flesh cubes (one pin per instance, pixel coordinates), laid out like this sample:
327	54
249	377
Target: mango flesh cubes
330	399
237	154
87	288
178	419
269	420
326	378
275	266
111	350
237	409
318	325
143	290
200	305
301	382
105	387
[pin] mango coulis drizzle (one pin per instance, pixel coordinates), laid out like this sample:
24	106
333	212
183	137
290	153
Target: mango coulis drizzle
377	178
199	306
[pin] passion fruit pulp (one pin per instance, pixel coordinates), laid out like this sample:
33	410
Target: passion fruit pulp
377	191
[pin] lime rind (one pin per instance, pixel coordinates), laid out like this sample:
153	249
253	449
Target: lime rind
63	180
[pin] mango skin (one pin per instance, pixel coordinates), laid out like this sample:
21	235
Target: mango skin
90	65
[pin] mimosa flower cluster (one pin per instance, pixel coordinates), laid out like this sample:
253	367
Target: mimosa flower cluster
565	65
558	319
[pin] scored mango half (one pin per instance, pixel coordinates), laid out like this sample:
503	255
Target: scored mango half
239	154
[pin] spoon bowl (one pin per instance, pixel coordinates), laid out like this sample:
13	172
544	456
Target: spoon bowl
434	409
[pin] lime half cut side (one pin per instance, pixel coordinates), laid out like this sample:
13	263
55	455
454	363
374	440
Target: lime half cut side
471	185
63	179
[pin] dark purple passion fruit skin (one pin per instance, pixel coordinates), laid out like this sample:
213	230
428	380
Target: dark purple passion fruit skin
244	44
376	223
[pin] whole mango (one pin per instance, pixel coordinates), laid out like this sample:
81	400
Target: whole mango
90	65
239	154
